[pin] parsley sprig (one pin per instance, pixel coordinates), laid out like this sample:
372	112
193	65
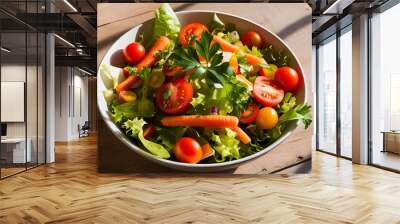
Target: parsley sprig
214	68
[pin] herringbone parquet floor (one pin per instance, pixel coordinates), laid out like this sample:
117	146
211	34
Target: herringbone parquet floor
71	191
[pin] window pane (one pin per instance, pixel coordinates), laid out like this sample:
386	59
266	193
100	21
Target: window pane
15	150
327	96
385	84
346	93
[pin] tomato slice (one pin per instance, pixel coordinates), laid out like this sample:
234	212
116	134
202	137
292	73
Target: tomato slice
174	97
267	92
249	115
191	29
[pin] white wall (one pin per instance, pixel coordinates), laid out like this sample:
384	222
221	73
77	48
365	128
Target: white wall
71	102
33	127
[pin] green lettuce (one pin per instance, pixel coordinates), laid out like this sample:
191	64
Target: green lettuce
216	24
167	136
134	128
166	23
226	145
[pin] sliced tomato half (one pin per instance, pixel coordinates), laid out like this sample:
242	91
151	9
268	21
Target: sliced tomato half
250	114
267	92
174	97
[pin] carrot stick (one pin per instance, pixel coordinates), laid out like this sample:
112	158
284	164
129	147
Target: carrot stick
149	59
241	135
206	121
225	45
254	60
127	83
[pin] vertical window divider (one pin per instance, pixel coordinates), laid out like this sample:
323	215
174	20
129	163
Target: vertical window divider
37	90
26	86
317	96
369	79
338	100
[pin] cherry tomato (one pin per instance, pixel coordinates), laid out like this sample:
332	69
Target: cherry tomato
267	92
172	71
174	97
126	96
191	29
148	131
251	39
249	115
134	53
287	77
269	71
267	118
188	150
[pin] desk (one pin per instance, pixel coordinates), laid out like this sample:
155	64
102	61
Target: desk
13	150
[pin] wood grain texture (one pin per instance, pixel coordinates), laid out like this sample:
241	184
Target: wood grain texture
292	22
72	191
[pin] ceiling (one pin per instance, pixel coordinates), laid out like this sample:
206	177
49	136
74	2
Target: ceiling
75	22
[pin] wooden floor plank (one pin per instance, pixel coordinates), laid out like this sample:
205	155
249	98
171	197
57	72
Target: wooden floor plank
71	191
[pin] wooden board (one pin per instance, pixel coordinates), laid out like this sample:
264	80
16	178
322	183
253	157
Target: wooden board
292	22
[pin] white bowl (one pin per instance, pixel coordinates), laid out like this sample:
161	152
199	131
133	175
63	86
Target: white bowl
114	61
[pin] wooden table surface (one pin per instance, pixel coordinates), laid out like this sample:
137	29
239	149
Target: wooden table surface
291	22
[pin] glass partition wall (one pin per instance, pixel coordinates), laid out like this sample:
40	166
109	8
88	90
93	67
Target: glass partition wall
334	94
385	89
22	76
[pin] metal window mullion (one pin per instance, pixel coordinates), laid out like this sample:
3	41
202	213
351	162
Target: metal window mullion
26	87
338	95
317	96
369	96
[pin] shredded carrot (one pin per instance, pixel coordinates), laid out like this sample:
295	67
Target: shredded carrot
241	135
209	121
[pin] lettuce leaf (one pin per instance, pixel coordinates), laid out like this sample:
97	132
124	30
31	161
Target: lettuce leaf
226	145
139	108
166	23
168	136
134	128
216	24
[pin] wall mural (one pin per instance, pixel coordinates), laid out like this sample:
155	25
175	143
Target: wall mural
204	87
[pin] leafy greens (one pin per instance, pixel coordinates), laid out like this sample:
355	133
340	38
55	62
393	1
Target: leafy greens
134	128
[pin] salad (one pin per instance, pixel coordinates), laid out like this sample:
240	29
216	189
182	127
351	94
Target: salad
203	92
